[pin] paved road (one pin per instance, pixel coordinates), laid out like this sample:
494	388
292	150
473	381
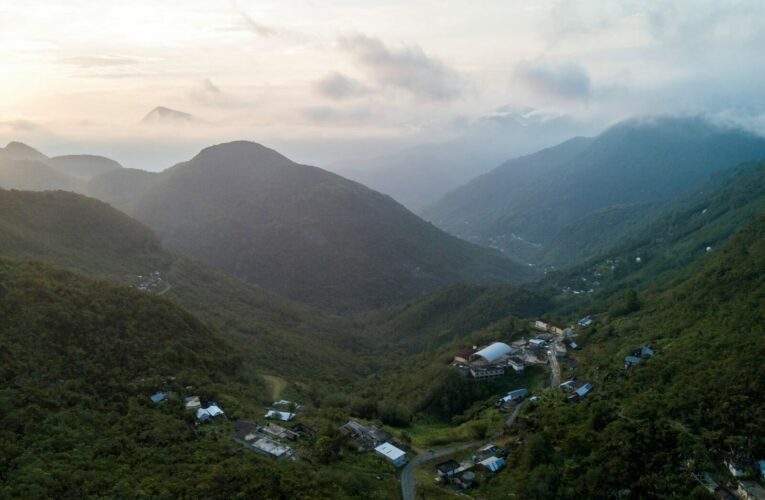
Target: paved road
408	482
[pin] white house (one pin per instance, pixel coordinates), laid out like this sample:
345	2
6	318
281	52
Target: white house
392	454
280	415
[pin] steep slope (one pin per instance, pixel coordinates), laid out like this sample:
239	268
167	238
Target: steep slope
35	176
121	188
523	205
644	432
89	237
83	166
306	233
678	234
20	151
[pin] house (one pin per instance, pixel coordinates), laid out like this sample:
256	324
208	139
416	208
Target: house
569	385
212	411
392	454
158	397
580	390
630	361
513	396
192	403
367	435
750	490
488	450
280	432
283	404
573	345
516	363
538	343
493	464
269	448
284	416
585	322
490	354
446	469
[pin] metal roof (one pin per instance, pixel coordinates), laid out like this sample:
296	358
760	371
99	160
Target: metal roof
494	351
390	451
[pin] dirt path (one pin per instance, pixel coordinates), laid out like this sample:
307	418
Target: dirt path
276	385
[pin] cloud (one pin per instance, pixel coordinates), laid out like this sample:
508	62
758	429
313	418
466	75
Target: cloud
20	126
259	29
97	61
408	68
568	81
209	94
338	86
340	116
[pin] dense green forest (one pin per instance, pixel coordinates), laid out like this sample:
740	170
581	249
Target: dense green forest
78	362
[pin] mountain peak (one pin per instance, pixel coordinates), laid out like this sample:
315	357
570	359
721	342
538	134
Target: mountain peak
162	115
20	151
238	152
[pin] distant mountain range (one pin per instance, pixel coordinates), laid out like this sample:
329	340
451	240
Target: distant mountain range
167	116
418	176
297	230
529	206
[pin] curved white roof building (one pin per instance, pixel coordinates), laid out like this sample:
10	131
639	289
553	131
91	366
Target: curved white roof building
492	352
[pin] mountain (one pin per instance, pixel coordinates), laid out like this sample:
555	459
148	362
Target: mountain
121	187
35	176
91	238
23	167
83	166
306	233
166	116
20	151
676	236
418	176
524	205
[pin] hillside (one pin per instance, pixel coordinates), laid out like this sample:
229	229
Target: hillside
121	188
678	234
89	237
83	166
306	233
524	205
645	431
78	361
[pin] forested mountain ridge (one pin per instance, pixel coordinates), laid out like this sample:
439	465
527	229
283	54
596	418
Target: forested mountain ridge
306	233
526	205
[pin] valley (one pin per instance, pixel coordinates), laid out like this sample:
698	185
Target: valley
506	375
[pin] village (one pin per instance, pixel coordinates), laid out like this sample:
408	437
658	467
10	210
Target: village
464	465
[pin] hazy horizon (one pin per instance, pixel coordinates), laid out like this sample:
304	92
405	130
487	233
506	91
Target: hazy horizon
324	83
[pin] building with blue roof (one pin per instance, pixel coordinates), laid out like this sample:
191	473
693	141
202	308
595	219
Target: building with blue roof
158	397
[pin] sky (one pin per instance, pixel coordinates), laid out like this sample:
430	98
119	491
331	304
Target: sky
323	81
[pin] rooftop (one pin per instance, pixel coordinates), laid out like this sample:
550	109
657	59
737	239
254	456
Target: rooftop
390	451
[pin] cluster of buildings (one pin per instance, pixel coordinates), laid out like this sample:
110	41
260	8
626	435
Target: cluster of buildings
637	356
191	403
576	389
371	437
150	282
488	459
747	478
495	359
267	440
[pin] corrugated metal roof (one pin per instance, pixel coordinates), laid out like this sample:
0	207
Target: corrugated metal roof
494	351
